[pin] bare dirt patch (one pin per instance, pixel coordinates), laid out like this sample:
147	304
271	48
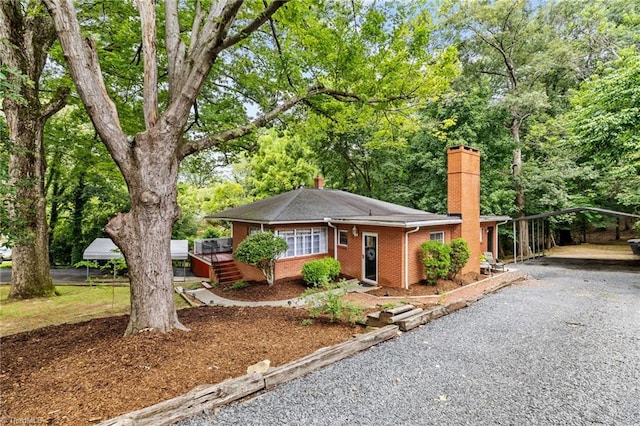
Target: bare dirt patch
77	374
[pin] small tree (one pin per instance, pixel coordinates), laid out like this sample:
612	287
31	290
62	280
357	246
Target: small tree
261	250
460	254
436	259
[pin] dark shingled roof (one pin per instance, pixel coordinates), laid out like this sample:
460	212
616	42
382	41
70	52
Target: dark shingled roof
313	205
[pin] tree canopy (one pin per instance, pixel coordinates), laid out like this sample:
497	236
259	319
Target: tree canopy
182	109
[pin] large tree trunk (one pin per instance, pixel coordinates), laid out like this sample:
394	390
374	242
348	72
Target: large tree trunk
27	207
144	234
516	167
26	35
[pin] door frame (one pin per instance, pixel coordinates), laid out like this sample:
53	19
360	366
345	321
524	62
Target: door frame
364	260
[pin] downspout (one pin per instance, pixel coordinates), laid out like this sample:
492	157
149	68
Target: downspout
335	239
406	256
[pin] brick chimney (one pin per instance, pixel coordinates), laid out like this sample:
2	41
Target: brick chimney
463	198
318	182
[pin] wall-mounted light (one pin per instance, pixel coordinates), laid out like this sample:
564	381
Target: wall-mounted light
354	231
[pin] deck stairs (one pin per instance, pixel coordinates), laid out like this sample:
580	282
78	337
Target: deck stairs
227	272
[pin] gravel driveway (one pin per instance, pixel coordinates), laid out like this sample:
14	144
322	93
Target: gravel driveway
560	349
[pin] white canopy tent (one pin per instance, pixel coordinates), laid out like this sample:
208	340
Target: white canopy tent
105	249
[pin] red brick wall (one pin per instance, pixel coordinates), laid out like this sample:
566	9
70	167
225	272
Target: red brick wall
350	256
285	268
391	252
416	271
463	197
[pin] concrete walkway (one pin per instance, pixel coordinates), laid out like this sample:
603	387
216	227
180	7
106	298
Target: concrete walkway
209	298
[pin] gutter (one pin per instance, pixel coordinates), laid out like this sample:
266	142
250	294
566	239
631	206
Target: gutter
398	224
335	238
406	256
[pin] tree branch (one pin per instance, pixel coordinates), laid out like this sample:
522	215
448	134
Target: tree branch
188	80
191	147
147	11
175	45
82	59
56	103
253	25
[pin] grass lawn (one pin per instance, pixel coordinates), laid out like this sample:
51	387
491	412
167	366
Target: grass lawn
74	304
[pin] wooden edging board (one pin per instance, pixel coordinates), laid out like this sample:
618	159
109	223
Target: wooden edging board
212	396
326	356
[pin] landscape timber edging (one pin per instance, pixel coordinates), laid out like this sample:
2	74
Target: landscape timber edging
487	285
208	397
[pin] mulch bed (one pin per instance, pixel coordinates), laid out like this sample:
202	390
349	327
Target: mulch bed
77	374
258	291
422	289
87	372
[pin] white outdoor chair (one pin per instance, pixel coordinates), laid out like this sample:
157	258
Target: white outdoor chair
495	264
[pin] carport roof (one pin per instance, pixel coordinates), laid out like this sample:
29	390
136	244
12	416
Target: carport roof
105	249
576	210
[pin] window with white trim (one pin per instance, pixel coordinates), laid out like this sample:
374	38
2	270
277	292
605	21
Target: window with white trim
437	236
303	242
253	230
343	237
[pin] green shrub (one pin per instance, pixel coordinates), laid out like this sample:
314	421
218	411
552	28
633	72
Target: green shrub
261	250
238	285
436	259
332	304
460	254
320	271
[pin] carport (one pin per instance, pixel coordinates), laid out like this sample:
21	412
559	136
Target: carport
530	232
105	249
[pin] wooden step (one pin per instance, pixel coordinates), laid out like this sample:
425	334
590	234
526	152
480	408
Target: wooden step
381	319
391	312
422	318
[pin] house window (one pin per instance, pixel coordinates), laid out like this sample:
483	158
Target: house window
303	242
253	230
437	236
343	237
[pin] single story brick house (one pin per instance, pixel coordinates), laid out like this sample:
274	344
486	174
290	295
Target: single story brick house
375	241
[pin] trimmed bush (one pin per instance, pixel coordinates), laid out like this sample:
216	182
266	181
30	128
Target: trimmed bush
320	271
436	259
261	250
460	254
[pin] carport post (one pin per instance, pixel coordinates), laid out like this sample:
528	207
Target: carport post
522	249
533	237
515	250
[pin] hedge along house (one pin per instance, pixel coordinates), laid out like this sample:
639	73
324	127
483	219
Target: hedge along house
375	241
